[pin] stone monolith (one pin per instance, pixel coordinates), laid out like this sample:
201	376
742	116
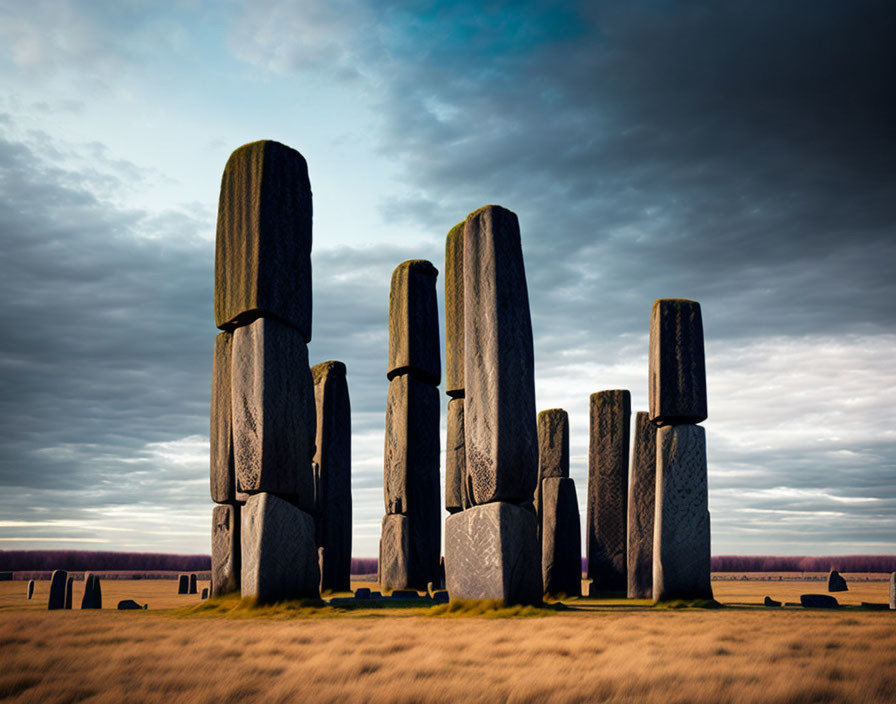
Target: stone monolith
273	411
183	584
30	590
333	460
93	593
226	563
58	582
194	584
641	509
223	478
69	584
681	538
499	409
204	594
396	570
677	368
836	583
893	590
491	552
414	322
455	459
279	554
608	491
454	312
553	450
263	250
561	538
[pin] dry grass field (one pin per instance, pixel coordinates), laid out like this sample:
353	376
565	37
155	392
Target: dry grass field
596	651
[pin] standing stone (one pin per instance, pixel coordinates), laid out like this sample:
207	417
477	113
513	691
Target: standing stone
414	322
893	590
273	411
608	491
561	543
279	555
454	312
491	552
641	509
193	584
677	376
455	459
263	250
681	539
553	450
226	566
93	593
395	568
57	590
204	594
836	583
183	584
69	583
223	477
499	412
30	589
333	459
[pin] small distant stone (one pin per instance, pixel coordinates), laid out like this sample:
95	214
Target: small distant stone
57	590
183	584
771	602
376	595
129	604
440	597
836	583
193	584
30	588
362	593
818	601
405	594
893	590
204	594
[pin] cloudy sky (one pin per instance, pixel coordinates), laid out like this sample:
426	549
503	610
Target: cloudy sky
738	153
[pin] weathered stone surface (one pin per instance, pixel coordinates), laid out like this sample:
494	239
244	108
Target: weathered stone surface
893	590
263	250
183	584
279	554
492	552
836	583
68	592
30	590
771	602
677	368
222	475
395	553
454	312
93	592
818	601
273	411
641	509
561	538
499	413
553	450
455	459
193	584
608	491
333	458
129	605
414	322
226	567
681	536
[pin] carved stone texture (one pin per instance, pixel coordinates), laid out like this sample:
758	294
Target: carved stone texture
333	458
681	536
492	552
454	312
30	588
818	601
455	459
608	491
641	509
836	583
561	538
395	553
414	322
68	592
93	592
223	478
263	250
677	368
226	566
279	556
183	584
553	450
273	411
411	466
499	413
893	590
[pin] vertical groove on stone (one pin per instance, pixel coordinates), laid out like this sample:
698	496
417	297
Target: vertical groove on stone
414	322
608	490
553	451
641	509
223	477
677	368
454	312
455	458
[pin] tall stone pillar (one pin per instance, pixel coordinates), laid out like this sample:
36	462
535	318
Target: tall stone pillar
608	491
456	498
553	451
333	460
263	414
641	509
677	393
492	549
411	534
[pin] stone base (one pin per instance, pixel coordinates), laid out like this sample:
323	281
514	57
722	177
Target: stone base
225	550
492	552
279	554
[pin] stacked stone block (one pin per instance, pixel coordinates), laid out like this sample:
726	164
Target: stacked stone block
333	475
491	548
411	531
456	498
641	509
263	412
677	394
608	492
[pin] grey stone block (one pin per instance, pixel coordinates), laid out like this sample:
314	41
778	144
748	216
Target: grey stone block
30	590
226	567
183	584
279	554
893	590
414	322
561	538
818	601
641	509
273	411
499	413
455	459
492	552
553	450
677	368
93	592
681	536
68	592
608	491
263	250
836	583
454	312
395	553
222	475
333	458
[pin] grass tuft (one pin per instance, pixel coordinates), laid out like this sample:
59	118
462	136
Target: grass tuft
688	604
488	608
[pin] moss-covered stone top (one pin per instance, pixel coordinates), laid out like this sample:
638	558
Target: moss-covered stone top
321	371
